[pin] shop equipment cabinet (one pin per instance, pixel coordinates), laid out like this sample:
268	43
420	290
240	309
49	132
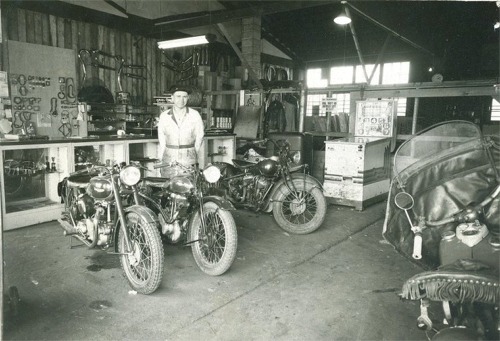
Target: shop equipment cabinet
357	170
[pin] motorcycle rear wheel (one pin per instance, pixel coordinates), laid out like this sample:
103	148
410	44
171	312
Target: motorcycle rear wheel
299	217
144	266
215	250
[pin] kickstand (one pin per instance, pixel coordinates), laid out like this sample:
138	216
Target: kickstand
71	242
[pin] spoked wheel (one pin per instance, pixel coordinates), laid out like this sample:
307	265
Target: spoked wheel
216	242
143	266
299	211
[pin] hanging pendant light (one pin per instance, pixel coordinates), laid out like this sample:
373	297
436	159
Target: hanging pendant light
342	18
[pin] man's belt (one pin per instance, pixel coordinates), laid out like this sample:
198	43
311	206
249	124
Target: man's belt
182	146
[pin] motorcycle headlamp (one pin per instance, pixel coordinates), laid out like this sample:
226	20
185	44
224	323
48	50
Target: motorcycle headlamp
211	174
295	157
130	175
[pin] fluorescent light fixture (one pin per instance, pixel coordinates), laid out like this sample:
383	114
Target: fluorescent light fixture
342	19
190	41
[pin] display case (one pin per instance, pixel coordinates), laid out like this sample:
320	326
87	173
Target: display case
217	148
32	172
144	152
30	177
105	153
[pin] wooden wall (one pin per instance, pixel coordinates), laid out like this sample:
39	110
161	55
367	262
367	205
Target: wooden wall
38	28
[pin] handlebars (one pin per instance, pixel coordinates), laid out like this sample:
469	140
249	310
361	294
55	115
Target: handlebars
175	164
405	202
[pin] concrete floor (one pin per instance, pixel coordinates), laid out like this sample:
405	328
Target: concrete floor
338	283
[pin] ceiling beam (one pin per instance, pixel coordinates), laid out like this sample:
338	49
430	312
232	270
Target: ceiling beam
132	24
221	16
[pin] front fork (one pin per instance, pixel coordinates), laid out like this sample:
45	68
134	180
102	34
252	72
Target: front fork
201	210
121	212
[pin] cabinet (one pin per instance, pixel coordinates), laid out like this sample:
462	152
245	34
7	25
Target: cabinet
217	148
29	181
29	186
357	170
107	119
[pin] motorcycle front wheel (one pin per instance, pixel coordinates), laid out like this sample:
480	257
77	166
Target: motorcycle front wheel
143	265
214	249
299	211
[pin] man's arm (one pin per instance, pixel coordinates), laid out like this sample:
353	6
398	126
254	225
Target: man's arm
161	137
199	131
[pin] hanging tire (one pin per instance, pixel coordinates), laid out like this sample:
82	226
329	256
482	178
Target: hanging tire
215	250
301	211
143	267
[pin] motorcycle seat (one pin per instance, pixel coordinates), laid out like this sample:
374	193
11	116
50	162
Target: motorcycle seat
464	280
154	181
79	180
241	164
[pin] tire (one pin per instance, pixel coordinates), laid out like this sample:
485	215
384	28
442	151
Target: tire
299	218
215	252
144	268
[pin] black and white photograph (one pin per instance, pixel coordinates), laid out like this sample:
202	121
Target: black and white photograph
260	170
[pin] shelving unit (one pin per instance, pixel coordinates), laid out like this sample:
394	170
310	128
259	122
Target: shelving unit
107	119
221	107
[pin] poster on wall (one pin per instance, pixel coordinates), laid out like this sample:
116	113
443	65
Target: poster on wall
376	118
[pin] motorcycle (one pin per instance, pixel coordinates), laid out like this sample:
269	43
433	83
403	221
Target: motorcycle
97	213
443	213
278	184
186	213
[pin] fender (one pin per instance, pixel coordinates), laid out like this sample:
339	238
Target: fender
146	213
221	202
296	178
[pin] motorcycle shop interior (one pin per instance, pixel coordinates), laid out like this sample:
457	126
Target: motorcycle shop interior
346	86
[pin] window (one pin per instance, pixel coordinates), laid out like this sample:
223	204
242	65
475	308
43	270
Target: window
495	110
401	107
392	73
314	103
314	79
360	75
396	73
341	75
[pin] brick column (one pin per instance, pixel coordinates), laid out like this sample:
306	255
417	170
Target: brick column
251	46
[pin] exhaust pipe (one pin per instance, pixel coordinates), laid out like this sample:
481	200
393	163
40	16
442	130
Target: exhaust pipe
69	230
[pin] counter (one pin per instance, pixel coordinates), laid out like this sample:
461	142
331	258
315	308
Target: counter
33	168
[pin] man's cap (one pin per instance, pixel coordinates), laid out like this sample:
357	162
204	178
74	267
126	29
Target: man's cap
184	88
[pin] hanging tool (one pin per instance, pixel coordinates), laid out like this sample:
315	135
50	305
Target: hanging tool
65	127
53	106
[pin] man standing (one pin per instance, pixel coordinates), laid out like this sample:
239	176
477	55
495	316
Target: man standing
180	133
